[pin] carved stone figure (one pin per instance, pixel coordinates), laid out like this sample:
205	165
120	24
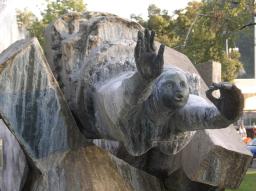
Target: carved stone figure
142	112
151	107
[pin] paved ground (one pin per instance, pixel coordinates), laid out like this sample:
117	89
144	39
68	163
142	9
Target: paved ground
251	171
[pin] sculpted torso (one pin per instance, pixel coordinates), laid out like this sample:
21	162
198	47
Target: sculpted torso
153	107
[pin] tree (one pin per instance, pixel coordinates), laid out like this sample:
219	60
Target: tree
217	21
201	29
153	10
60	7
231	66
54	9
25	18
160	22
138	19
29	23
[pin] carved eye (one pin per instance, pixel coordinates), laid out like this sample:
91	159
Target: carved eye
170	85
182	84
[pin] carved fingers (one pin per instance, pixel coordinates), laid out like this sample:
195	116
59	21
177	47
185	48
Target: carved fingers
139	47
221	86
149	41
231	101
145	43
210	96
217	86
149	64
159	61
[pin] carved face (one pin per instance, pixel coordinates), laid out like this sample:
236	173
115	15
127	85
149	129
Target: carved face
172	88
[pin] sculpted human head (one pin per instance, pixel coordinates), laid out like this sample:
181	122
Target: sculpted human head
172	89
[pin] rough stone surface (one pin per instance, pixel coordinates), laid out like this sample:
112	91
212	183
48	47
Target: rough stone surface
210	71
72	55
86	51
98	48
212	159
91	169
59	157
14	171
31	102
219	160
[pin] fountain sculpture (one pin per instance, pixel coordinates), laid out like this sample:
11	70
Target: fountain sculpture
150	107
107	114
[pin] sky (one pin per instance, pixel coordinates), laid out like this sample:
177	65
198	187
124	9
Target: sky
123	8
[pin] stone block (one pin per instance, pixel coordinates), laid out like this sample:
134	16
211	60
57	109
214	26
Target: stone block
14	169
31	102
92	169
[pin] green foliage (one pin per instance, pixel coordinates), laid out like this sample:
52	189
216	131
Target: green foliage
160	22
246	48
153	10
54	9
59	7
231	66
25	18
215	23
138	19
201	29
28	22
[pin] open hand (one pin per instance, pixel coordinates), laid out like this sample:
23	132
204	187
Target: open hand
149	64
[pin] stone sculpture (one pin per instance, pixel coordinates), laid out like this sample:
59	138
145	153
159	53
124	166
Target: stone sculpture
96	69
102	92
154	104
43	148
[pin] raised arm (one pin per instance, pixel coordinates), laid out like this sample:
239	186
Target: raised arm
149	65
